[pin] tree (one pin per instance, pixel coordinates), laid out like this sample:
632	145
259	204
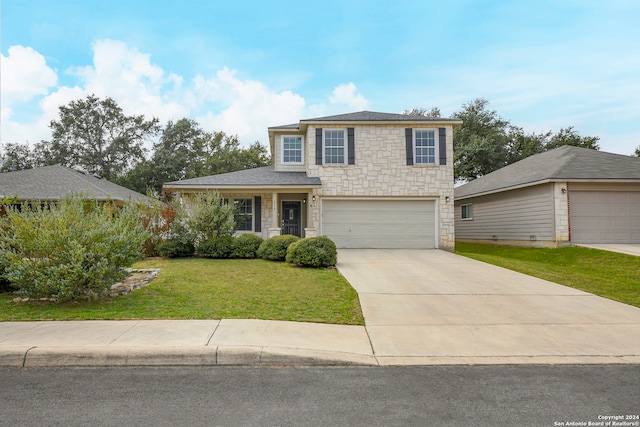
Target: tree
16	157
637	153
97	136
569	136
480	143
186	151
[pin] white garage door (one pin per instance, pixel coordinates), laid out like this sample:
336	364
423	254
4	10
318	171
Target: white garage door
380	224
605	216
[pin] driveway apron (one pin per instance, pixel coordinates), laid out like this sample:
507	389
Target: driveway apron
432	304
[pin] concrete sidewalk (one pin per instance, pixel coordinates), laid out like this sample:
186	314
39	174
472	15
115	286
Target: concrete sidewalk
420	307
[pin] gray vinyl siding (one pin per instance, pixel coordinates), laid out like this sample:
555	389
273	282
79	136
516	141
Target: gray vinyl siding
511	215
281	167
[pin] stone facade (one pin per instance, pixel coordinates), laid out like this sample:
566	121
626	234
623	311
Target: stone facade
561	211
380	170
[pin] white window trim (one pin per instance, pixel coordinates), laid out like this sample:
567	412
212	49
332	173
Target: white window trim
282	162
346	147
436	147
461	210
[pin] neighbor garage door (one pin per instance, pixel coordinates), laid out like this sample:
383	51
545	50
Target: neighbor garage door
383	224
605	216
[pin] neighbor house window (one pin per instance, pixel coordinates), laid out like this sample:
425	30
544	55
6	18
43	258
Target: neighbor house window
292	150
334	146
467	211
244	214
425	147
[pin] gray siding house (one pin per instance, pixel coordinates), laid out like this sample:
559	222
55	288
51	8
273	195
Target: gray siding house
556	198
365	179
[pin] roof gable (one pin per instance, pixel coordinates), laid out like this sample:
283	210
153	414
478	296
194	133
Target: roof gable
566	163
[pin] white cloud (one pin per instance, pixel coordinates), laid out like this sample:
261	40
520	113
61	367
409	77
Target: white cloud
248	107
347	94
25	75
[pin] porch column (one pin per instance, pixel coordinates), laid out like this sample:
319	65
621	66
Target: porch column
274	230
310	230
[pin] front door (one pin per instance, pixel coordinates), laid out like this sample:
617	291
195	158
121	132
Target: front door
291	218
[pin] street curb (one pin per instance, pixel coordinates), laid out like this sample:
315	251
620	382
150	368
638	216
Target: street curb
105	356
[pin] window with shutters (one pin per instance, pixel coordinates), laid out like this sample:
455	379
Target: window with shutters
243	214
334	146
425	146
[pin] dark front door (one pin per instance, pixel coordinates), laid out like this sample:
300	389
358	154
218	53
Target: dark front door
291	218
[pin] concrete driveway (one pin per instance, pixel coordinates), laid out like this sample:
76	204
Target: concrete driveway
421	306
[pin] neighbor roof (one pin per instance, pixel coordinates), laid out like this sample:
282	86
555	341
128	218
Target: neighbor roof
563	164
258	177
54	182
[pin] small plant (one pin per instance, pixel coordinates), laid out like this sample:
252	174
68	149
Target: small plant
175	248
216	247
246	246
275	248
313	252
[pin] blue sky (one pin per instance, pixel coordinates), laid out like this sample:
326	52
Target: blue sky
240	67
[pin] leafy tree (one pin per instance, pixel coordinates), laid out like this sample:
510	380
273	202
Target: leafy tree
210	217
569	136
637	153
96	135
16	157
480	143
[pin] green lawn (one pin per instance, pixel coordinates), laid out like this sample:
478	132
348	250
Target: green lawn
215	289
608	274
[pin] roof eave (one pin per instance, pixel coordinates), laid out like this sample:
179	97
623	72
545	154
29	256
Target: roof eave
240	187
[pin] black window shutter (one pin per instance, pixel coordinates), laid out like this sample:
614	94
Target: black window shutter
318	146
351	146
257	214
408	134
442	140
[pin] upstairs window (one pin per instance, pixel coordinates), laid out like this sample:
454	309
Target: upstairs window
334	147
425	147
292	151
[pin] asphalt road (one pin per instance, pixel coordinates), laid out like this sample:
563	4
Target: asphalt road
358	396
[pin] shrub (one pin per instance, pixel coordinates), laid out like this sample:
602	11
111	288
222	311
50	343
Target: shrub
210	217
216	247
275	248
75	249
313	252
246	246
175	248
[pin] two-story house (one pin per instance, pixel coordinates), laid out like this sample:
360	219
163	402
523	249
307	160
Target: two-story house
365	179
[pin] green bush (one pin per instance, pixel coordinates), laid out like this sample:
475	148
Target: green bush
313	252
175	248
74	249
210	217
246	246
216	247
275	248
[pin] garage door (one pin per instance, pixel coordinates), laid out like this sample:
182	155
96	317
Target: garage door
605	216
380	224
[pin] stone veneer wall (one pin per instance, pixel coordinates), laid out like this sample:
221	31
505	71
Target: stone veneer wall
561	213
380	170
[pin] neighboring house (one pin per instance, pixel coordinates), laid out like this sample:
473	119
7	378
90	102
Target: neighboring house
365	179
51	183
559	197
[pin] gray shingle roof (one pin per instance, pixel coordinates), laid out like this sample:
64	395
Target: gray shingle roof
55	182
372	116
563	164
257	177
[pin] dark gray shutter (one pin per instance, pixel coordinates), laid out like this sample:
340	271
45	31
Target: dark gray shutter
257	214
408	134
351	146
318	146
442	140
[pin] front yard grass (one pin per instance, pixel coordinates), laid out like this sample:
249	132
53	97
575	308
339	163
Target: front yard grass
607	274
196	288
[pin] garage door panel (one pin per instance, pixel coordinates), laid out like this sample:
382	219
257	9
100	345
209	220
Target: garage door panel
380	223
605	216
